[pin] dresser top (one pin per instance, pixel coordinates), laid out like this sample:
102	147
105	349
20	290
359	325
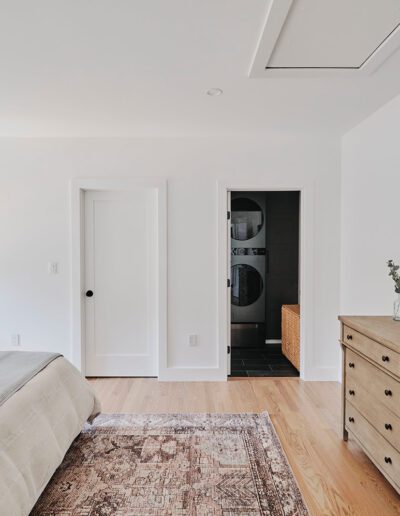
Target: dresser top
380	328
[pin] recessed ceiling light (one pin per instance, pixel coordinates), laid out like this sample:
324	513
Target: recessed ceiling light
214	92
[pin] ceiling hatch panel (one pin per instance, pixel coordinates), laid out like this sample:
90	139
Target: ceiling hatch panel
325	34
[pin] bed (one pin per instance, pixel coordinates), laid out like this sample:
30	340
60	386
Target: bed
44	403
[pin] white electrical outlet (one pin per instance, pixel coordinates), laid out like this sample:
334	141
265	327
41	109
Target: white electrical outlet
15	340
193	341
52	267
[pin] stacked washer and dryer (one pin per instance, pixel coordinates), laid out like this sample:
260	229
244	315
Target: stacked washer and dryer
248	268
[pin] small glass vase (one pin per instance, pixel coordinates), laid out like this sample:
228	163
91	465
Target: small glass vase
396	308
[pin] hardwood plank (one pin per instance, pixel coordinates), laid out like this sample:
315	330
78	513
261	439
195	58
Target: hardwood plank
335	477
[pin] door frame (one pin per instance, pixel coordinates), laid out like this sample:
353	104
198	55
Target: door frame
306	267
78	187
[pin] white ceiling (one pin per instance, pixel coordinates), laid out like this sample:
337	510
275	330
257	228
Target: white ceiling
141	68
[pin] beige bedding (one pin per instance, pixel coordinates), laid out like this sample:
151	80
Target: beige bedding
37	426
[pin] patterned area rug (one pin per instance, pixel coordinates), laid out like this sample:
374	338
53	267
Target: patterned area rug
186	464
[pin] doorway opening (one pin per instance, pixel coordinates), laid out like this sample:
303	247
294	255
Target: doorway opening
264	257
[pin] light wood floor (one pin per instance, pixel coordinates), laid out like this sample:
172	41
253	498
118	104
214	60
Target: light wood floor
335	477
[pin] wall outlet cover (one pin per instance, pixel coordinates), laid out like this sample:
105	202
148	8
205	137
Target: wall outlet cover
15	339
193	341
52	267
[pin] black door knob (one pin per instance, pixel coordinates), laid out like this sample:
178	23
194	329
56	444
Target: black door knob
385	358
388	426
351	364
351	419
89	293
351	392
388	392
349	337
388	460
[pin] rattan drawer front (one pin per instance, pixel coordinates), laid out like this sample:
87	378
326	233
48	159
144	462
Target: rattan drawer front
380	417
384	388
380	451
383	356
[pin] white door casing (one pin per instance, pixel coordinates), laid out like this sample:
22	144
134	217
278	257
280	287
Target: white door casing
118	232
228	273
308	371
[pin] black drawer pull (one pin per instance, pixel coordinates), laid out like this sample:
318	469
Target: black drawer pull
385	358
388	392
388	460
349	337
351	364
388	426
351	419
351	392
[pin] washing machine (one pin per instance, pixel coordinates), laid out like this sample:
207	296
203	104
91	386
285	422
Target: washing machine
248	258
248	262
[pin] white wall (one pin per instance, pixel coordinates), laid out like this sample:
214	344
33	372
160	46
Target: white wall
34	214
370	212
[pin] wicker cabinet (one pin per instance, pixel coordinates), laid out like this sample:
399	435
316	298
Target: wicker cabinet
291	333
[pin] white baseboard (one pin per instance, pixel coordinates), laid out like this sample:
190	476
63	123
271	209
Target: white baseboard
322	374
192	374
215	374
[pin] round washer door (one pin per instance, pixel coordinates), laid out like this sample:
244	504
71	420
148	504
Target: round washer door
247	284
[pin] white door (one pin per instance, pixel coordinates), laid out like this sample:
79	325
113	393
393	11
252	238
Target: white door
121	280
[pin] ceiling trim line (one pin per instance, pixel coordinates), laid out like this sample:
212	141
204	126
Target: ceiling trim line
275	20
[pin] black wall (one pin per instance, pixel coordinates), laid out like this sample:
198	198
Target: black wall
282	259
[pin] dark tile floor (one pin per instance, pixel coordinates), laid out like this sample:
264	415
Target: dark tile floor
267	360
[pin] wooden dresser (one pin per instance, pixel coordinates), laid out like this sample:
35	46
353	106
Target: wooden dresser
291	333
371	389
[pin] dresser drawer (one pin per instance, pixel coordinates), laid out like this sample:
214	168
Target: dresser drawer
381	452
383	356
380	417
382	387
